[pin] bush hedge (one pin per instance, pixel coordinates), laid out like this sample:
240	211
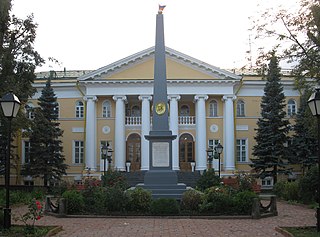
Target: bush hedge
165	206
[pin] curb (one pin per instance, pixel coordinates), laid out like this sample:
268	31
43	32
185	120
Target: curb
54	231
283	232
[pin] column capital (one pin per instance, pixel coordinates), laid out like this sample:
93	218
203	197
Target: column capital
174	97
90	97
119	97
200	97
145	97
230	97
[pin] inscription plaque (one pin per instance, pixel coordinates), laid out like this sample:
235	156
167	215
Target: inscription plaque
160	154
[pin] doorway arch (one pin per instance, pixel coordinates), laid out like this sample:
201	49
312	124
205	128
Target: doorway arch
186	151
134	151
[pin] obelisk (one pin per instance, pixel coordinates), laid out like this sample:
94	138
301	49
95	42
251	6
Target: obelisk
160	178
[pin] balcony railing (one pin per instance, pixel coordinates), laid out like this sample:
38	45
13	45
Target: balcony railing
187	120
133	120
182	120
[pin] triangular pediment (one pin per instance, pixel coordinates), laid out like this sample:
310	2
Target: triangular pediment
140	66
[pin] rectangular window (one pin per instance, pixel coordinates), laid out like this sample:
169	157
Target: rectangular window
78	149
26	152
242	150
212	143
79	111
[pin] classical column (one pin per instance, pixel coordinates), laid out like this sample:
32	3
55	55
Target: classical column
119	136
228	133
91	133
201	139
145	129
174	127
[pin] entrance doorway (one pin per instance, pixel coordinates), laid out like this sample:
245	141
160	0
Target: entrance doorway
134	151
186	152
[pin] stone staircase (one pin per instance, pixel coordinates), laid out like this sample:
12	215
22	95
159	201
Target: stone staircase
188	178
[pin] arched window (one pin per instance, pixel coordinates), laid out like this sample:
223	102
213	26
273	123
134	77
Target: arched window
185	110
292	107
135	111
79	109
29	107
106	109
213	108
240	108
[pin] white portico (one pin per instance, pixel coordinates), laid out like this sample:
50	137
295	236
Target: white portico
128	85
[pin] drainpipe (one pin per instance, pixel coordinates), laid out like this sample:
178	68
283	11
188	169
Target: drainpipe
85	121
234	119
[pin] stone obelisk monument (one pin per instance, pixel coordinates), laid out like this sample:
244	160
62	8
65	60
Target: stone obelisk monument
160	178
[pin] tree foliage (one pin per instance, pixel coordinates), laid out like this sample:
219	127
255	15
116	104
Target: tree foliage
18	60
46	160
297	33
304	141
272	126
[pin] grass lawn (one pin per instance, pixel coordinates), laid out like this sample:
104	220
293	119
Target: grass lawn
303	231
21	231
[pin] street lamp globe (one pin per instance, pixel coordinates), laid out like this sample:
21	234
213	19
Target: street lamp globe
10	105
314	103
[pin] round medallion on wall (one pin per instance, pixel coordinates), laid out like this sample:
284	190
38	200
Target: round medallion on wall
160	108
214	128
106	129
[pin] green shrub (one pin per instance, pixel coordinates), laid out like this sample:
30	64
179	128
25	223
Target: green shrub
208	179
279	188
139	200
95	200
287	190
308	185
243	202
114	179
291	191
20	197
116	199
190	201
217	201
165	206
75	201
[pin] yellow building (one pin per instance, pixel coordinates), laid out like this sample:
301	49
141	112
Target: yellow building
112	104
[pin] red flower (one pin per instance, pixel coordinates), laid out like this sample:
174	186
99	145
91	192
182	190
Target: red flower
38	217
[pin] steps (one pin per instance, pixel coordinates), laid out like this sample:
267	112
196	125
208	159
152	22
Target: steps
188	178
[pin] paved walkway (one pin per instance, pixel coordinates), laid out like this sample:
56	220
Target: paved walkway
289	215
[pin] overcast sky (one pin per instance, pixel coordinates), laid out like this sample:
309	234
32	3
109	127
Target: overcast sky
87	35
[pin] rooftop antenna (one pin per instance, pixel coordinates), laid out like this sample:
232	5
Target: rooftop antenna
249	52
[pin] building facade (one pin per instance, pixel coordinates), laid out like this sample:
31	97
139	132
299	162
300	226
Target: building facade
207	106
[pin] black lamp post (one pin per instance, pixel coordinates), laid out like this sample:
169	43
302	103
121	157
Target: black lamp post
109	155
10	105
104	150
219	149
314	105
210	156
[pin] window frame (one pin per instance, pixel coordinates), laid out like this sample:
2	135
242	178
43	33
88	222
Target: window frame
239	159
80	159
182	109
79	109
291	107
241	108
26	151
213	108
106	109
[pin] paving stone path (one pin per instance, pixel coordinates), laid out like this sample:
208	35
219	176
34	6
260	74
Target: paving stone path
289	215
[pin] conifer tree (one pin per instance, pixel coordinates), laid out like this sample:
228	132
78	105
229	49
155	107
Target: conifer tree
272	130
302	150
46	159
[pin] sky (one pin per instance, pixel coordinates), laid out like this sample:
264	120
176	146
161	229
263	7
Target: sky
87	35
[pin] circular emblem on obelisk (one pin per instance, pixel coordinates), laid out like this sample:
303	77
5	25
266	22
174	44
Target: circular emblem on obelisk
160	108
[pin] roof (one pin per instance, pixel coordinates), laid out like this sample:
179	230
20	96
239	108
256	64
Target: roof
148	53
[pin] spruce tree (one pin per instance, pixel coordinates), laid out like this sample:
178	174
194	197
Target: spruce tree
272	129
47	160
302	150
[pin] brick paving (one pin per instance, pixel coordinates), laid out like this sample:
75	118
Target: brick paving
289	215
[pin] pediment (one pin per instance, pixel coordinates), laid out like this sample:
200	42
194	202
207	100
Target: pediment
140	66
